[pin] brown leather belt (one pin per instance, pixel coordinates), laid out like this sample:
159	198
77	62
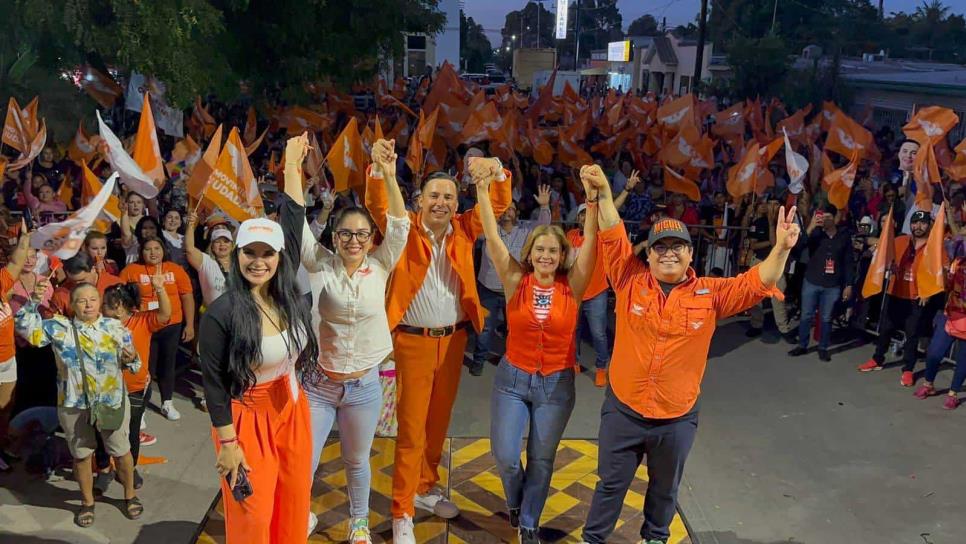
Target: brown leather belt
433	332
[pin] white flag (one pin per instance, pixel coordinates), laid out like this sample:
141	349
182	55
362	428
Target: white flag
797	166
63	240
131	174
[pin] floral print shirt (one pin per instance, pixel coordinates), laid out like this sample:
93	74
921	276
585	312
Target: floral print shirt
101	344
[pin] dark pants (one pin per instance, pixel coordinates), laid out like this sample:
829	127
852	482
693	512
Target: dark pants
138	402
495	304
910	317
164	355
939	348
624	441
825	298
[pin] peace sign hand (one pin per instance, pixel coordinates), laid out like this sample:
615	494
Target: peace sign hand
787	229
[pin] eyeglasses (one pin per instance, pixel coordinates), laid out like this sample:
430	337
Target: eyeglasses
362	236
661	249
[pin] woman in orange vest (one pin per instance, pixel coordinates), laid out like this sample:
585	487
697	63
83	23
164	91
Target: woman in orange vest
535	380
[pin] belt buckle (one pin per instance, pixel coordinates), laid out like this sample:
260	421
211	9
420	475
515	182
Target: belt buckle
437	332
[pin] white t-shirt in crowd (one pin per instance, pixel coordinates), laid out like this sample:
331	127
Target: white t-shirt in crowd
211	278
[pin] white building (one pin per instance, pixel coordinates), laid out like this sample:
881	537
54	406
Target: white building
667	65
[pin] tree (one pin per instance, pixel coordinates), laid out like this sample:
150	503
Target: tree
645	25
475	47
520	29
758	66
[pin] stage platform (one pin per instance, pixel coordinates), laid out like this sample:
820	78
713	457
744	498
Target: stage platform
469	473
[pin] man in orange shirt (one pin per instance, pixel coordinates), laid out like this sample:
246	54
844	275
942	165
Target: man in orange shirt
666	317
904	310
80	269
593	309
431	301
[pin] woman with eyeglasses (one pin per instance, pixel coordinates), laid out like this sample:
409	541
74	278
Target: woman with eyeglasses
534	384
349	313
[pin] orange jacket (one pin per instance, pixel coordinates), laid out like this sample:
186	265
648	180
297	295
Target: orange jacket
411	270
661	345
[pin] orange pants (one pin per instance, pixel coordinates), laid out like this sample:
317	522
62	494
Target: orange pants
428	373
275	433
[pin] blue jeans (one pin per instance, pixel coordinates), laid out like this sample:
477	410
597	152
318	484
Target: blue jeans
545	402
825	298
938	348
356	404
495	304
593	315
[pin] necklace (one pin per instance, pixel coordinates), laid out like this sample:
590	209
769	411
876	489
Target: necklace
288	348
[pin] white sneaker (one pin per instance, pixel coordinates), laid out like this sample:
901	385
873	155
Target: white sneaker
439	505
168	410
313	522
402	531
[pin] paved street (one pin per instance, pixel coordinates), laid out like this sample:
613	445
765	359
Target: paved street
789	450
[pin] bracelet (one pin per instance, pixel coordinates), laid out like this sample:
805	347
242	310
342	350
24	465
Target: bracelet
228	441
592	200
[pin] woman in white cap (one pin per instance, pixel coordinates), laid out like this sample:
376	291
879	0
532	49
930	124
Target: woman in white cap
212	266
349	313
254	341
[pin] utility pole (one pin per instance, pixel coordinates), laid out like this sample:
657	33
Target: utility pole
699	54
774	15
539	9
880	9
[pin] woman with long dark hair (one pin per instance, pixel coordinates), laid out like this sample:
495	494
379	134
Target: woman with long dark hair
349	314
254	341
164	343
534	384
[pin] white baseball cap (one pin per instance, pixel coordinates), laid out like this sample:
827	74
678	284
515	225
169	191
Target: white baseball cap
221	232
261	230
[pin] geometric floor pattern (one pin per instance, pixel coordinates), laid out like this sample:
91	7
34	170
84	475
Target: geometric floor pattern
469	474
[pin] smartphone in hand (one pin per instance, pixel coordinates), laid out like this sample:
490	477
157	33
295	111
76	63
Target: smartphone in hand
243	486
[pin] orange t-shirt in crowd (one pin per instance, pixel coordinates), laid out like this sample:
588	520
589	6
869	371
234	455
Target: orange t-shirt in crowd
7	347
142	325
60	301
662	342
541	347
176	283
598	281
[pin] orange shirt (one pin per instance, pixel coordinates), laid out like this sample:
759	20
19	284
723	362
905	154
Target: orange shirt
176	283
661	345
598	281
60	301
542	347
142	325
903	284
7	346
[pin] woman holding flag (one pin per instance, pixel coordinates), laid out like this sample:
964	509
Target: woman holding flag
164	343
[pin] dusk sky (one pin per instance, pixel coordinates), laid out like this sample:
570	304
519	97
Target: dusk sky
492	13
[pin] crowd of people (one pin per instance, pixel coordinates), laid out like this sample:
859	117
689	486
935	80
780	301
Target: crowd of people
293	316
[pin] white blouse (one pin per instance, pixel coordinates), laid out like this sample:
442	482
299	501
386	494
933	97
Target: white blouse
350	311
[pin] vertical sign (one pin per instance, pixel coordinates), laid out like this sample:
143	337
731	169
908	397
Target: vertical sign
562	7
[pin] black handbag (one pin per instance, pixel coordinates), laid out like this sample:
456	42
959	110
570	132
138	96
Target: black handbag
103	417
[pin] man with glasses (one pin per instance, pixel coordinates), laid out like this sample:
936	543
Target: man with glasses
666	317
431	302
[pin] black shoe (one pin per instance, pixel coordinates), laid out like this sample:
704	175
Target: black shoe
102	480
791	338
798	351
824	355
514	517
476	369
529	536
753	332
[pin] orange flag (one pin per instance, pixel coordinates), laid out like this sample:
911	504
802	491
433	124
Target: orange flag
81	148
36	146
929	274
883	259
147	153
845	136
840	182
252	147
544	99
730	122
743	176
314	160
678	113
14	132
346	158
203	168
231	186
3	165
99	86
676	183
928	127
957	170
377	133
571	152
420	140
251	125
203	122
680	149
542	150
481	124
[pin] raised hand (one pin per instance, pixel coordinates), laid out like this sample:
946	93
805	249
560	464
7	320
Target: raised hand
786	229
593	178
40	289
192	219
634	179
384	157
296	149
543	196
157	282
483	171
